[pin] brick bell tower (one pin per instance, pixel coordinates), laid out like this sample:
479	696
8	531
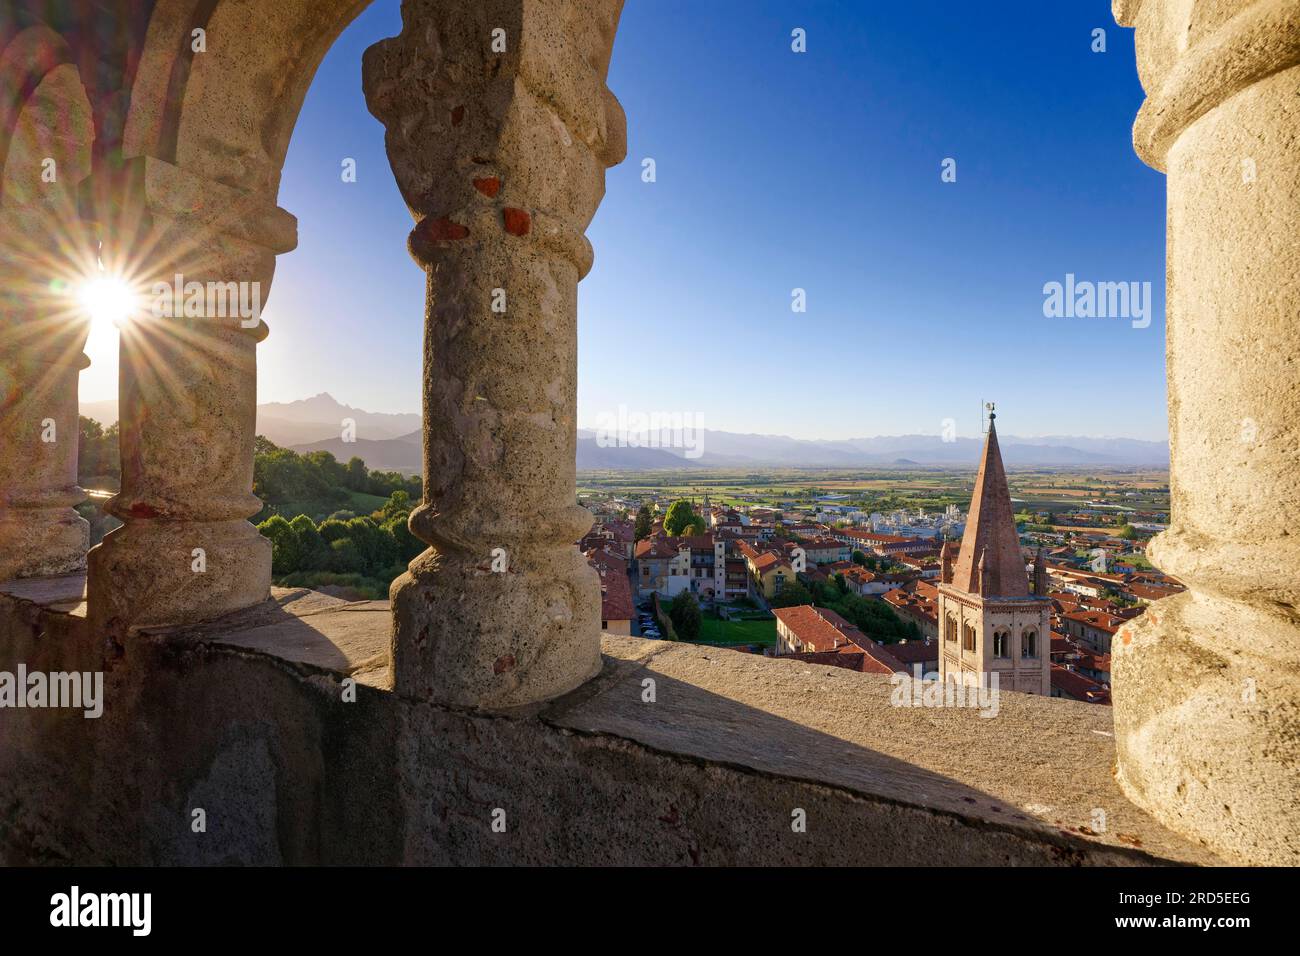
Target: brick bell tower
988	619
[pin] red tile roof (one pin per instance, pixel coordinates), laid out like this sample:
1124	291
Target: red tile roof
914	652
856	573
819	626
616	602
854	660
605	560
656	547
769	559
1152	592
1098	619
1073	684
925	590
831	634
912	604
823	544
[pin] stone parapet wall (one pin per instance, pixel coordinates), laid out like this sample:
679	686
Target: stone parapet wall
246	719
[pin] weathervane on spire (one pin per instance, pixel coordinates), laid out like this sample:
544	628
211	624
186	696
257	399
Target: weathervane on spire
987	420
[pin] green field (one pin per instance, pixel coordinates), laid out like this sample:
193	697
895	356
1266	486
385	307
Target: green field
714	630
932	489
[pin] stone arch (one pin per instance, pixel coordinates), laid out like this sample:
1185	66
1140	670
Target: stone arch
54	122
227	114
46	155
27	58
204	138
1029	643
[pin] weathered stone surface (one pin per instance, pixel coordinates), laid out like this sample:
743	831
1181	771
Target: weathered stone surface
246	718
62	592
1207	685
188	400
346	638
1213	754
187	156
40	533
499	131
42	333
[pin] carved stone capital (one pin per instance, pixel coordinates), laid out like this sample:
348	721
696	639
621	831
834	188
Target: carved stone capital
499	121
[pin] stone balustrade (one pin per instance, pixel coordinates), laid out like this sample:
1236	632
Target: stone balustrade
282	724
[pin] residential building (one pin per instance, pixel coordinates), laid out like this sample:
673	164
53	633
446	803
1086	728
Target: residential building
919	604
924	652
1095	629
708	564
818	635
884	545
825	550
663	566
770	570
616	605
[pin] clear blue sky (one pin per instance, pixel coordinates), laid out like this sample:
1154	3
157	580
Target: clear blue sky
779	170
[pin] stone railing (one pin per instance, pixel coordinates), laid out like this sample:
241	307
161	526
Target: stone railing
275	736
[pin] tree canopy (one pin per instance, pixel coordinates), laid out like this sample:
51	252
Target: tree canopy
681	519
98	460
644	520
685	615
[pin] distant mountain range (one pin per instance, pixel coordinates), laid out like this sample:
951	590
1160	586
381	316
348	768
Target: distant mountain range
313	419
733	450
392	442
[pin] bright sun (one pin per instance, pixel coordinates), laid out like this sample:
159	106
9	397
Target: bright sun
108	299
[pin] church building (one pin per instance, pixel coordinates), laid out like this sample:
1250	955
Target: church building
988	619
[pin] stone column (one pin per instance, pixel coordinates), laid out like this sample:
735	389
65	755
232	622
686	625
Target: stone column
41	338
500	128
1207	684
187	395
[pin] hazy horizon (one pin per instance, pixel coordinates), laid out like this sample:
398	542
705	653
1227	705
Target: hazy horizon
592	427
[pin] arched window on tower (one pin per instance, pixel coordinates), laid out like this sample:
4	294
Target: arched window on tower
1001	643
967	638
950	630
1029	643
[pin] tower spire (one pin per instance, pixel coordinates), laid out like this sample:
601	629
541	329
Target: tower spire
990	562
987	596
